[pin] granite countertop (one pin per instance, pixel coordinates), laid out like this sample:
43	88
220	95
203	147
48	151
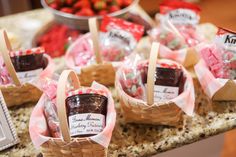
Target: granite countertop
128	139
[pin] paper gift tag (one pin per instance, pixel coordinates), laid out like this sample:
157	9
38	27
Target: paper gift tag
8	135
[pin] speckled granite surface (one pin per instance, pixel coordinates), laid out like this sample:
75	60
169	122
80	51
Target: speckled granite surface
129	140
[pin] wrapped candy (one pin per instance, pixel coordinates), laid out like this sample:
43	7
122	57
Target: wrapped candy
49	87
169	80
220	56
4	75
116	32
178	22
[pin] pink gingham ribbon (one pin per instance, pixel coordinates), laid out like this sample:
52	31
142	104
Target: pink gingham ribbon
87	91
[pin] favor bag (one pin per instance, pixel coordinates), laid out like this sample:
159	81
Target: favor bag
177	32
140	103
22	86
216	71
96	55
64	144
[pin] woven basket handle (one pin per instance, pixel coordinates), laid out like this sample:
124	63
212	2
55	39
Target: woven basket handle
93	28
5	48
61	97
151	72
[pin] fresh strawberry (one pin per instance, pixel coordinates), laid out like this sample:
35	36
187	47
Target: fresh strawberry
127	2
66	10
117	2
69	2
114	8
54	6
85	12
100	5
103	12
82	4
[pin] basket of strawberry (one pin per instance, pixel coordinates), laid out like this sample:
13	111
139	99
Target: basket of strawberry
75	13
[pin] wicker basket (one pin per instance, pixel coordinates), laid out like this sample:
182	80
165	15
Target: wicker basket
102	72
139	111
18	93
69	147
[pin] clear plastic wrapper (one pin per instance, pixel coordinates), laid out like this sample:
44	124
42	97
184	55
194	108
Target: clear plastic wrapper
169	79
114	32
220	55
4	75
183	17
49	87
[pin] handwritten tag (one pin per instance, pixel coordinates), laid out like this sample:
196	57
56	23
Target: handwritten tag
8	135
86	123
165	93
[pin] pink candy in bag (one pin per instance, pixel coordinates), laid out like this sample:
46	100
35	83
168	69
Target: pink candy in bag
184	17
4	75
220	56
116	32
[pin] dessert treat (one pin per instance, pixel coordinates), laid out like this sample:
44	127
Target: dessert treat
86	114
116	32
216	70
4	75
169	81
177	32
28	64
57	39
154	91
106	52
184	17
20	71
220	56
79	117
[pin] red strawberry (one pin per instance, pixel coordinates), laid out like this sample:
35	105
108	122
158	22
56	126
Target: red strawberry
54	6
66	10
99	5
127	2
114	8
103	12
82	4
117	2
69	2
85	12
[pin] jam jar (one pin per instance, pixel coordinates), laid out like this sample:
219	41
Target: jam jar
169	83
86	114
29	66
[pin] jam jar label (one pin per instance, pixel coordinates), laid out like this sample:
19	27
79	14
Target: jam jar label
26	76
165	93
86	123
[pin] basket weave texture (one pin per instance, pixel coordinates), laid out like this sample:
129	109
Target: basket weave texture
15	96
136	111
76	148
148	112
102	73
69	146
